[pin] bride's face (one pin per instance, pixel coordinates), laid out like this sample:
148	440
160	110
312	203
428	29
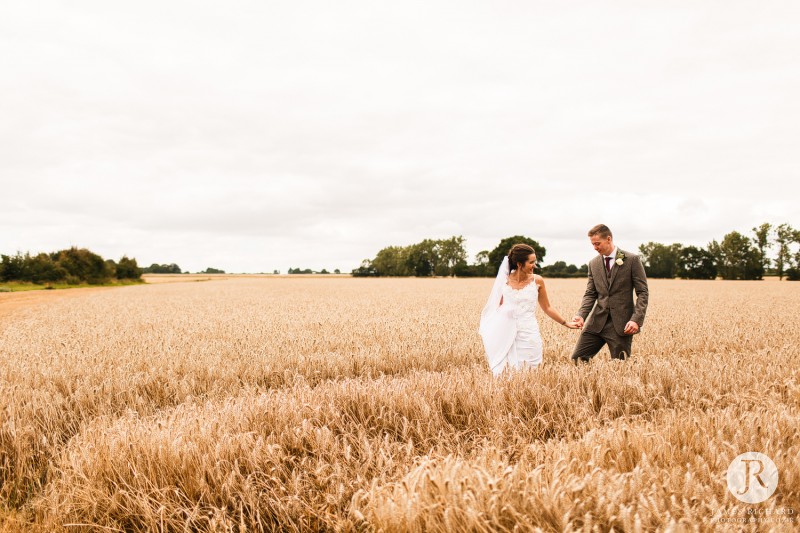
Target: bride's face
527	267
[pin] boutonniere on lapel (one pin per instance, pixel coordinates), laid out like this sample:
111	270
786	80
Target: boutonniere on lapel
620	258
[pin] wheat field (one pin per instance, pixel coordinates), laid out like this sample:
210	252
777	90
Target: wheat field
282	404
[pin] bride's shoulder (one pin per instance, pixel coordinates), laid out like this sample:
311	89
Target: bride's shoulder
539	280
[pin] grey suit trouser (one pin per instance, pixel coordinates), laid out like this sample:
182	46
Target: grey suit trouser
590	343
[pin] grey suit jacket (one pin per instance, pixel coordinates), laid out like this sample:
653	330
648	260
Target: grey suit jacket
614	296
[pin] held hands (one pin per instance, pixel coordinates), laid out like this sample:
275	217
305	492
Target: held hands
631	328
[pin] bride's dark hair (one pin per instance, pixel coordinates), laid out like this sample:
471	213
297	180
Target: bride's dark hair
518	254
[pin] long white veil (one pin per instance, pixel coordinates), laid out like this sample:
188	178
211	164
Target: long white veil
498	328
497	291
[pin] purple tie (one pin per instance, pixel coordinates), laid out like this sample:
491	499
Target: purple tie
608	264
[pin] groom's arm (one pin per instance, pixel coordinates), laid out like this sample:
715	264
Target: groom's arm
589	298
639	279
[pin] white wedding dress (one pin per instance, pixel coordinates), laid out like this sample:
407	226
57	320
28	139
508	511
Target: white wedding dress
510	331
527	347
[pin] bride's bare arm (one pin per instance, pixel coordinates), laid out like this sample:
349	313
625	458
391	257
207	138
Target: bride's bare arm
544	303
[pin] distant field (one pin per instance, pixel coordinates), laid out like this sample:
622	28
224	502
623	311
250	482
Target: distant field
177	278
172	278
321	403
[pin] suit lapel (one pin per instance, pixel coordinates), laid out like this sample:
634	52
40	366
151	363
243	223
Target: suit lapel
615	269
600	271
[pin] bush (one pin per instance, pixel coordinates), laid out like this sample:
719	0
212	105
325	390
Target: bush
128	269
72	266
85	265
13	267
560	269
172	268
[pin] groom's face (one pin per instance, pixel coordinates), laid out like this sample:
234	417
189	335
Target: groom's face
603	246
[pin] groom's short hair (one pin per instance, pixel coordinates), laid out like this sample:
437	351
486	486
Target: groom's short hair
602	230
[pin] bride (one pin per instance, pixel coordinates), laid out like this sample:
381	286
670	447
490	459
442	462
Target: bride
508	327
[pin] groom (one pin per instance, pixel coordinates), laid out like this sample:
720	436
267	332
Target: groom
613	277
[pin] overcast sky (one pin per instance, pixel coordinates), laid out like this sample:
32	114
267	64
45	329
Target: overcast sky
253	136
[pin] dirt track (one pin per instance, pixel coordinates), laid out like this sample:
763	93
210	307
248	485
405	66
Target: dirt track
12	301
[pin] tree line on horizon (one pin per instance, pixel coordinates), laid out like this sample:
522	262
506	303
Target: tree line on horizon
72	266
155	268
309	271
448	257
736	256
75	266
172	268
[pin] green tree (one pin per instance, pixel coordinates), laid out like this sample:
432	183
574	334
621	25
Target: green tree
793	273
452	254
696	263
423	258
391	261
83	265
111	268
155	268
13	267
501	250
365	270
556	270
211	270
42	269
660	260
736	257
482	266
560	269
465	270
763	243
128	269
784	237
73	266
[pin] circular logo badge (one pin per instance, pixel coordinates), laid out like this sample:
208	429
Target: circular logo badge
752	477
